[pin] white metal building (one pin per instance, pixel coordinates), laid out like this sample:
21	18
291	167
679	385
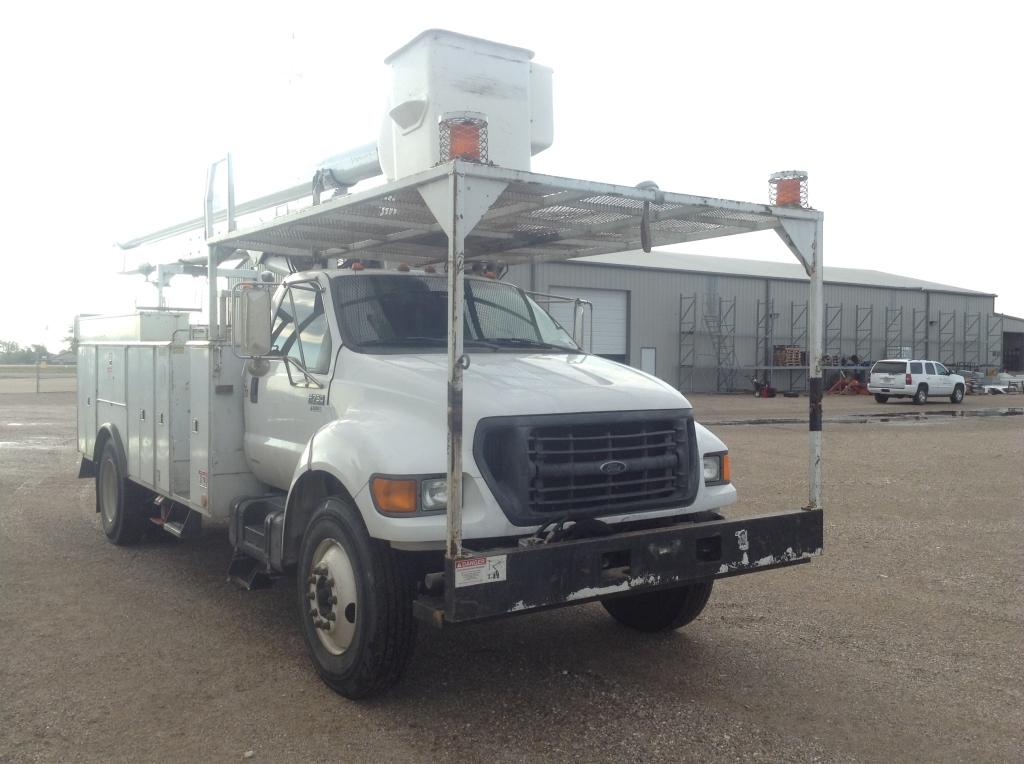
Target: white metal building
709	324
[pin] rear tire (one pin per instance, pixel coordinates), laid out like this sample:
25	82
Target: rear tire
881	398
958	394
118	500
662	610
355	602
921	396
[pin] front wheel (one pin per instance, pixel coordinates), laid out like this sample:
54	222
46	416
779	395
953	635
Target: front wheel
958	394
879	398
355	603
661	610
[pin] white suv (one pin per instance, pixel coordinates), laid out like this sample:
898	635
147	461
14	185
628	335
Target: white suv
905	378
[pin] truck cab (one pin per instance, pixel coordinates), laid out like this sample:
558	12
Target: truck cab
354	387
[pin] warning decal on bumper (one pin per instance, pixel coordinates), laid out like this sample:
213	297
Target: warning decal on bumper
480	570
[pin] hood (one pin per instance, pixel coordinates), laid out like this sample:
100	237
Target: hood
509	384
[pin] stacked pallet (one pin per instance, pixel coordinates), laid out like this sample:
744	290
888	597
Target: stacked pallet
788	355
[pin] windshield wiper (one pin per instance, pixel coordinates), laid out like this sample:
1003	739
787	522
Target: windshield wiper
405	341
527	343
413	341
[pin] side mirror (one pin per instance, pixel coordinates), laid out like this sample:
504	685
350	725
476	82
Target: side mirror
250	331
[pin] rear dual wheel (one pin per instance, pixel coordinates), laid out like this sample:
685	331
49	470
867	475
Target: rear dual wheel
119	501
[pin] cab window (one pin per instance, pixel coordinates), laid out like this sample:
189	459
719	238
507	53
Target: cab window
929	368
940	369
915	367
300	329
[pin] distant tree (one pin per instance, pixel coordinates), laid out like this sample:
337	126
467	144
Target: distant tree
12	352
70	341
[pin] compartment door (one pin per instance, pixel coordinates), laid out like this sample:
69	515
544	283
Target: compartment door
141	441
86	399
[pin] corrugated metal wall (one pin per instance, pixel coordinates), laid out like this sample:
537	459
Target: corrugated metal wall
951	328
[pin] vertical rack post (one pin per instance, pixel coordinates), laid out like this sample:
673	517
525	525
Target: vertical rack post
816	309
213	330
456	365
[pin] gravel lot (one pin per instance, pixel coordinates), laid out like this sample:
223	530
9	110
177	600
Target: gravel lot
903	643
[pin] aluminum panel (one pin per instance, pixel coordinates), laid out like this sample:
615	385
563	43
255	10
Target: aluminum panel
199	423
111	406
161	419
86	400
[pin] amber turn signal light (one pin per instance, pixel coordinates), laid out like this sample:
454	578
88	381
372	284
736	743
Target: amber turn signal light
394	495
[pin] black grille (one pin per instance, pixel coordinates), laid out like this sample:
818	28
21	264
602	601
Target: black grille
545	468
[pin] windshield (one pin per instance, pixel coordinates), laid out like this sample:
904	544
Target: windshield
411	311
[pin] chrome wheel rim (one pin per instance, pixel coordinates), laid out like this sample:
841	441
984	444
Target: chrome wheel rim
108	491
331	599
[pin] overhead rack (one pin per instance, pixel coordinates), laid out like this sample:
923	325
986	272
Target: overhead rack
463	211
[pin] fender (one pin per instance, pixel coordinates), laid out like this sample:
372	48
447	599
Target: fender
707	441
341	451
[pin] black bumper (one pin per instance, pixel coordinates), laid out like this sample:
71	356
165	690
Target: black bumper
513	580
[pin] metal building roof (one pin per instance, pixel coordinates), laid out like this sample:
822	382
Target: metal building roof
731	266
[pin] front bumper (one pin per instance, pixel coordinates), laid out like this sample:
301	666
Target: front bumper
521	579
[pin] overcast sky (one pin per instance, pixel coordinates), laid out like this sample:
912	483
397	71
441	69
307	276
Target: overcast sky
906	115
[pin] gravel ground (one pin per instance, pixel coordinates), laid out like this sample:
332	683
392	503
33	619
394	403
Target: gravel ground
902	643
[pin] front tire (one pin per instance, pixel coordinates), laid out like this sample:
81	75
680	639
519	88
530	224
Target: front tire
921	396
958	394
879	398
118	500
661	610
355	603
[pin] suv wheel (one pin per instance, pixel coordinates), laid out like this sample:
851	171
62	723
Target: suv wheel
921	396
958	394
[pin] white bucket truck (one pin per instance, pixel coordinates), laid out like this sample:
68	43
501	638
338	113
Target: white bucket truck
400	431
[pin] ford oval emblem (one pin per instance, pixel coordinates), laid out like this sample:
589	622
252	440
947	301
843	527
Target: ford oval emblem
613	468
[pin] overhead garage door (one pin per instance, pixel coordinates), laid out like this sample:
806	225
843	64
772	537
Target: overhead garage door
606	334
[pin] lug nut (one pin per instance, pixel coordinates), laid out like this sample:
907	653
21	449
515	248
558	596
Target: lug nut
310	596
311	580
329	582
334	600
330	616
324	625
313	613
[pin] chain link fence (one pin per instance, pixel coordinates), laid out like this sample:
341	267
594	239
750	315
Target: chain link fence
38	378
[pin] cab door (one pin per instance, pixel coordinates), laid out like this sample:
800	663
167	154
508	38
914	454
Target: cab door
289	403
936	383
943	379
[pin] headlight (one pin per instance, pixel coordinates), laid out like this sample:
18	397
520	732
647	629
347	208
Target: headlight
716	469
434	493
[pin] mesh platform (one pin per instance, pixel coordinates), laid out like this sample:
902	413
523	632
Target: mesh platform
536	217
